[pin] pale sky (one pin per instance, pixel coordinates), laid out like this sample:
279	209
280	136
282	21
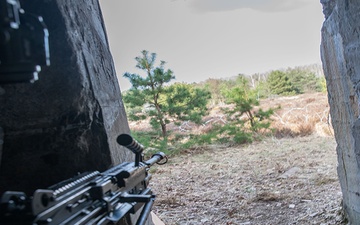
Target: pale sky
201	39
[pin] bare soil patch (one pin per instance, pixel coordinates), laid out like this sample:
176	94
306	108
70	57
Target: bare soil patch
274	181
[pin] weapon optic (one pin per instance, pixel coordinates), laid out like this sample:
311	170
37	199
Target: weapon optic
24	45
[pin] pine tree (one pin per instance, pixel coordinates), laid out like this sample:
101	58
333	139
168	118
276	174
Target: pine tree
280	84
242	115
150	98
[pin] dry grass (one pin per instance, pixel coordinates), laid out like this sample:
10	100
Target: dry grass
299	115
275	181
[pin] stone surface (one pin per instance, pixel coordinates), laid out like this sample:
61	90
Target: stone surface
340	53
67	121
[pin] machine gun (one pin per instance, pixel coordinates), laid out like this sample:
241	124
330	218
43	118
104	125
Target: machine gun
89	198
24	45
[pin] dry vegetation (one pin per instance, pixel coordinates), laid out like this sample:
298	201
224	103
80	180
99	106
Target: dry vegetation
289	178
298	115
275	181
301	115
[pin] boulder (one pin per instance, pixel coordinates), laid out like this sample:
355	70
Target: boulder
340	54
66	122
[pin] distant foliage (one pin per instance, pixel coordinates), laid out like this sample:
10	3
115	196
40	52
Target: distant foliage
291	81
280	84
143	99
184	102
150	98
322	85
214	87
243	118
152	141
153	98
304	81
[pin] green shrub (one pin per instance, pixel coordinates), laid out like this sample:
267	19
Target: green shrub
280	84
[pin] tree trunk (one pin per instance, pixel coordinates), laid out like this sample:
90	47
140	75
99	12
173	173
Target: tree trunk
163	129
340	53
67	121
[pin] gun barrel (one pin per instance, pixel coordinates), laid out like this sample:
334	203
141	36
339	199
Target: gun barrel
156	158
130	143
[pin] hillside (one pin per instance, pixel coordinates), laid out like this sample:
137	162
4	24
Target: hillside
298	115
289	178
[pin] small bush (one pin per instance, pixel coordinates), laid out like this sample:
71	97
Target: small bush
295	130
305	129
283	132
234	133
152	142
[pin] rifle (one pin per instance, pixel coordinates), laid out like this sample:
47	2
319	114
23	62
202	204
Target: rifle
91	197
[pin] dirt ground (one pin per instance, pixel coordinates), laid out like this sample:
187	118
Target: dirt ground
274	181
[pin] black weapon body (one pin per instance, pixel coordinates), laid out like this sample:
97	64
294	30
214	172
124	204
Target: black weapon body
89	198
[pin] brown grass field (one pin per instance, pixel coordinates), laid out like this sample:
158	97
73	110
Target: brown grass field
287	178
275	181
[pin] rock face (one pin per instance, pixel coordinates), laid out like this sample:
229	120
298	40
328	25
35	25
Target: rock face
67	121
340	52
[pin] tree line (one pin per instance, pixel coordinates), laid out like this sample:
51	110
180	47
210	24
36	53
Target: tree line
153	96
